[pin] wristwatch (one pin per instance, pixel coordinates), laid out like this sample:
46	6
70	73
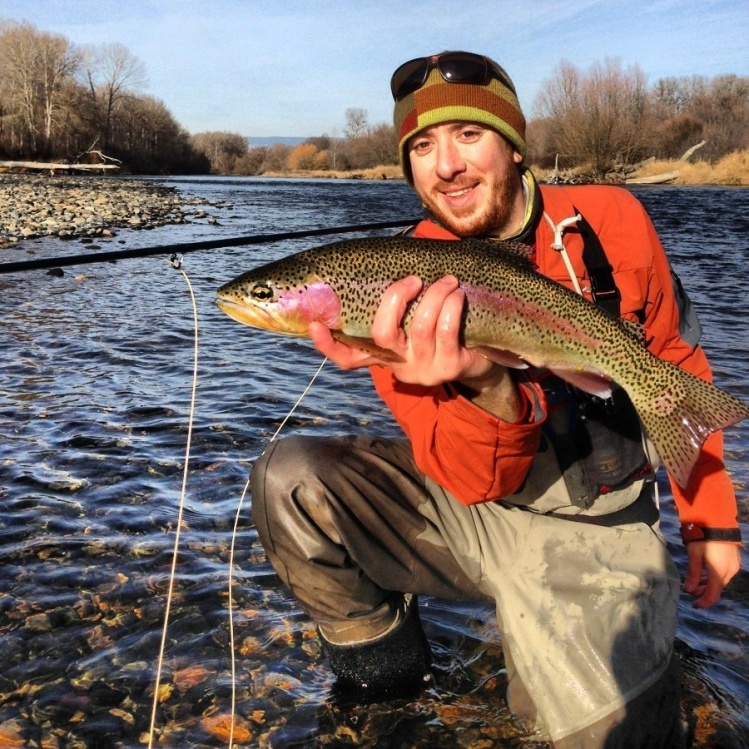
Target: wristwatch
691	532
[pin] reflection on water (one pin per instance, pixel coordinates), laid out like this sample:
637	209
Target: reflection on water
96	372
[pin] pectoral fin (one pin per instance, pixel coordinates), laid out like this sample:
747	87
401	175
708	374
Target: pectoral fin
586	381
366	344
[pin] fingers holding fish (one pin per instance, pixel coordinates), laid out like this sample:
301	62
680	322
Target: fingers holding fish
387	326
423	345
431	350
435	328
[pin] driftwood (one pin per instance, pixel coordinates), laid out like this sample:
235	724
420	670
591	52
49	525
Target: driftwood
655	179
688	153
101	156
55	166
622	173
640	164
566	177
554	179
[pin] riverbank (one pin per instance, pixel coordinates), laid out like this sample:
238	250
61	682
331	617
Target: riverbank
33	206
731	171
67	207
386	171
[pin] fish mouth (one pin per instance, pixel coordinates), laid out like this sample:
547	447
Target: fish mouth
257	317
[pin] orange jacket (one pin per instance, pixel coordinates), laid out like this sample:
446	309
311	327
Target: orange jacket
476	456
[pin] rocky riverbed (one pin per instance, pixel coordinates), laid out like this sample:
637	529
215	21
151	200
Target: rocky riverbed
34	206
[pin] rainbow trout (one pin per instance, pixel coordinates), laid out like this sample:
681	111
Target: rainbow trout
514	314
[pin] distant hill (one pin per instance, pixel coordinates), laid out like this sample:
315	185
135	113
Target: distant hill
271	140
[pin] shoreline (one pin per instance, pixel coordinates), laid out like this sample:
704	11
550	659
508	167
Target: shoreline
34	206
541	175
730	171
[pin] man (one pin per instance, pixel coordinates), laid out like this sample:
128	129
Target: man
512	485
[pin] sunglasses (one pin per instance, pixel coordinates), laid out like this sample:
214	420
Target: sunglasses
454	67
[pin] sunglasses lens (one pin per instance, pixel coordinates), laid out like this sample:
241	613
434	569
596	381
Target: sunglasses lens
501	76
463	67
454	67
409	77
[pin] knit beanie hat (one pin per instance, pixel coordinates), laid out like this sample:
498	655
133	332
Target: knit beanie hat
492	104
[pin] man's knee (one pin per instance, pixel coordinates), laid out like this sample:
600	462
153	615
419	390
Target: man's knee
284	465
288	498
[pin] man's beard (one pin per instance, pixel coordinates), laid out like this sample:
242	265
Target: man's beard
493	218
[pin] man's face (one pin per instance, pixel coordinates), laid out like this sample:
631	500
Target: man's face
467	177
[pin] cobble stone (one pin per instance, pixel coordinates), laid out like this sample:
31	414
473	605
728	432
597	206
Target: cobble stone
33	205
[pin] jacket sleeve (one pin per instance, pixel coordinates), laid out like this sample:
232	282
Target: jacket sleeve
465	449
709	500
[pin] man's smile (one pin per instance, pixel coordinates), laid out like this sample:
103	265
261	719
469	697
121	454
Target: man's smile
456	193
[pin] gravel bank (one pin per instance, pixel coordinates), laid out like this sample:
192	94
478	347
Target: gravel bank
61	206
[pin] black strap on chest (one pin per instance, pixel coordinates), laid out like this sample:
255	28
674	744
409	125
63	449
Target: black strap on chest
602	286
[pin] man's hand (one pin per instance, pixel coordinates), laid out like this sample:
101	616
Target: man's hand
710	567
432	353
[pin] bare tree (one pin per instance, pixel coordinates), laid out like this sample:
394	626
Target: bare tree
110	74
598	118
151	141
276	158
724	109
35	68
690	109
672	96
252	162
58	62
55	100
222	149
356	122
333	148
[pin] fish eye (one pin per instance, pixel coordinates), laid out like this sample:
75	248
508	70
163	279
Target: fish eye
262	293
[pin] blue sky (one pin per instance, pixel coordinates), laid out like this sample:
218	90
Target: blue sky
293	67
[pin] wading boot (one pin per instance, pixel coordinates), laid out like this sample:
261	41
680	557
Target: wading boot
392	666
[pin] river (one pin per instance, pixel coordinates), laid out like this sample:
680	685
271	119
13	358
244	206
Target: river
97	372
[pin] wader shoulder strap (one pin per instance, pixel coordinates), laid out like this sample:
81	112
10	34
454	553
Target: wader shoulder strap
602	285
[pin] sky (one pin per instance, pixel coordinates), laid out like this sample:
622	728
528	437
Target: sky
266	68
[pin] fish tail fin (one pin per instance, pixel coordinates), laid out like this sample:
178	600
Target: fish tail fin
681	414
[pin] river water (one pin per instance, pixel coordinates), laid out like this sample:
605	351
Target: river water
96	375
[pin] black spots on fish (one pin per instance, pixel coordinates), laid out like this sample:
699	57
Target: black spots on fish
679	411
516	250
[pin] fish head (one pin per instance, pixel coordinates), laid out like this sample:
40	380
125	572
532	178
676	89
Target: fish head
282	305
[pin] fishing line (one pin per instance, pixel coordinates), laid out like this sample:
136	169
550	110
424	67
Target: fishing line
176	262
231	555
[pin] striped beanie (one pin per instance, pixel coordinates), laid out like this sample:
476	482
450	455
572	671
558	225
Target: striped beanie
492	104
